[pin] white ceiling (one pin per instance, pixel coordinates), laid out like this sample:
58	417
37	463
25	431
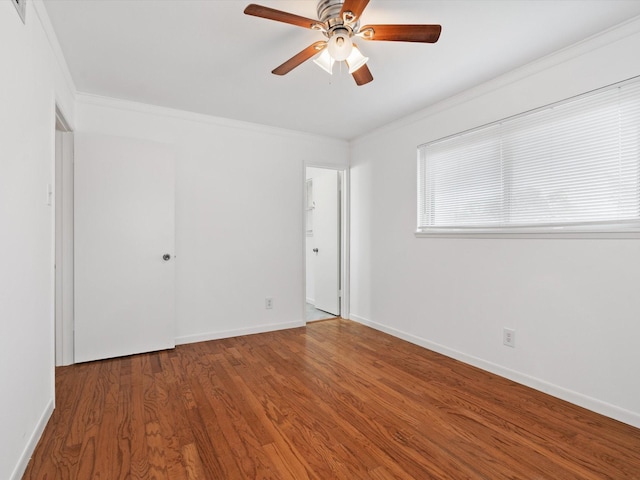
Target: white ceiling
206	56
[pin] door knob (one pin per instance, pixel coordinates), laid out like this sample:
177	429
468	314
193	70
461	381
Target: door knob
315	250
166	257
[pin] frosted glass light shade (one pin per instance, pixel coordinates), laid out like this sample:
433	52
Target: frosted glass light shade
325	61
355	60
340	46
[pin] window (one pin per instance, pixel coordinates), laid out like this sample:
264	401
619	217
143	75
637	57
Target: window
571	166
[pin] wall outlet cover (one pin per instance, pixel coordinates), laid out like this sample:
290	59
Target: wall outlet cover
509	337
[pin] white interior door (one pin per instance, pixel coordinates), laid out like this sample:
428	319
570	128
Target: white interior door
326	240
124	226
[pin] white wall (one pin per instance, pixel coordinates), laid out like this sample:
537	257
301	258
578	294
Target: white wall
239	213
31	80
574	303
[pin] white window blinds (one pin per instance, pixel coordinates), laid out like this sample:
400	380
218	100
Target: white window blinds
575	164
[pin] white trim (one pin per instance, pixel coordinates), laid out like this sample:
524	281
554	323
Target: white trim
61	119
345	279
595	42
29	448
590	403
45	21
118	104
205	337
304	245
559	235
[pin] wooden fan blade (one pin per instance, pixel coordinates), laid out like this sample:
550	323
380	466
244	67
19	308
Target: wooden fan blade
403	33
354	6
362	76
300	58
279	16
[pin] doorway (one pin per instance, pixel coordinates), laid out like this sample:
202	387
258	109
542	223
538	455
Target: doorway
324	243
63	241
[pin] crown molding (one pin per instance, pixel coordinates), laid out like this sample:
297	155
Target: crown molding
50	34
149	109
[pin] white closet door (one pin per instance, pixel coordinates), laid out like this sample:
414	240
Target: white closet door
124	247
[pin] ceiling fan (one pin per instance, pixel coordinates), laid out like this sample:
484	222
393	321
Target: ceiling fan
340	24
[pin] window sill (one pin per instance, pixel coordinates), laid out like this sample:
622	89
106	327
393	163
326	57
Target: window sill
533	232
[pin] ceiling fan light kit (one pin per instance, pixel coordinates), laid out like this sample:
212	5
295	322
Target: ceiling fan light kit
325	61
339	23
355	60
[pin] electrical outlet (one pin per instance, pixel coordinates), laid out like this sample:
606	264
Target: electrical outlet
509	337
268	303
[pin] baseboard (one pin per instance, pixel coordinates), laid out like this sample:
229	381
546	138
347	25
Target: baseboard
18	472
590	403
205	337
312	301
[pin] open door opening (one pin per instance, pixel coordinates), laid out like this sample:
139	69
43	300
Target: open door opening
323	252
63	241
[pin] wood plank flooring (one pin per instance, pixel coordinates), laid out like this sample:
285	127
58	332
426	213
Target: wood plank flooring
333	400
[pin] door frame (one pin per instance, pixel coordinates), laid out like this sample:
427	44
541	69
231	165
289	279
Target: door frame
345	221
63	240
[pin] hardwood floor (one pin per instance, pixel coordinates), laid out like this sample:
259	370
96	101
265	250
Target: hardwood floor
334	400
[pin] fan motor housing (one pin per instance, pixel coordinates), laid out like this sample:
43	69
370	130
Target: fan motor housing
329	14
329	9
